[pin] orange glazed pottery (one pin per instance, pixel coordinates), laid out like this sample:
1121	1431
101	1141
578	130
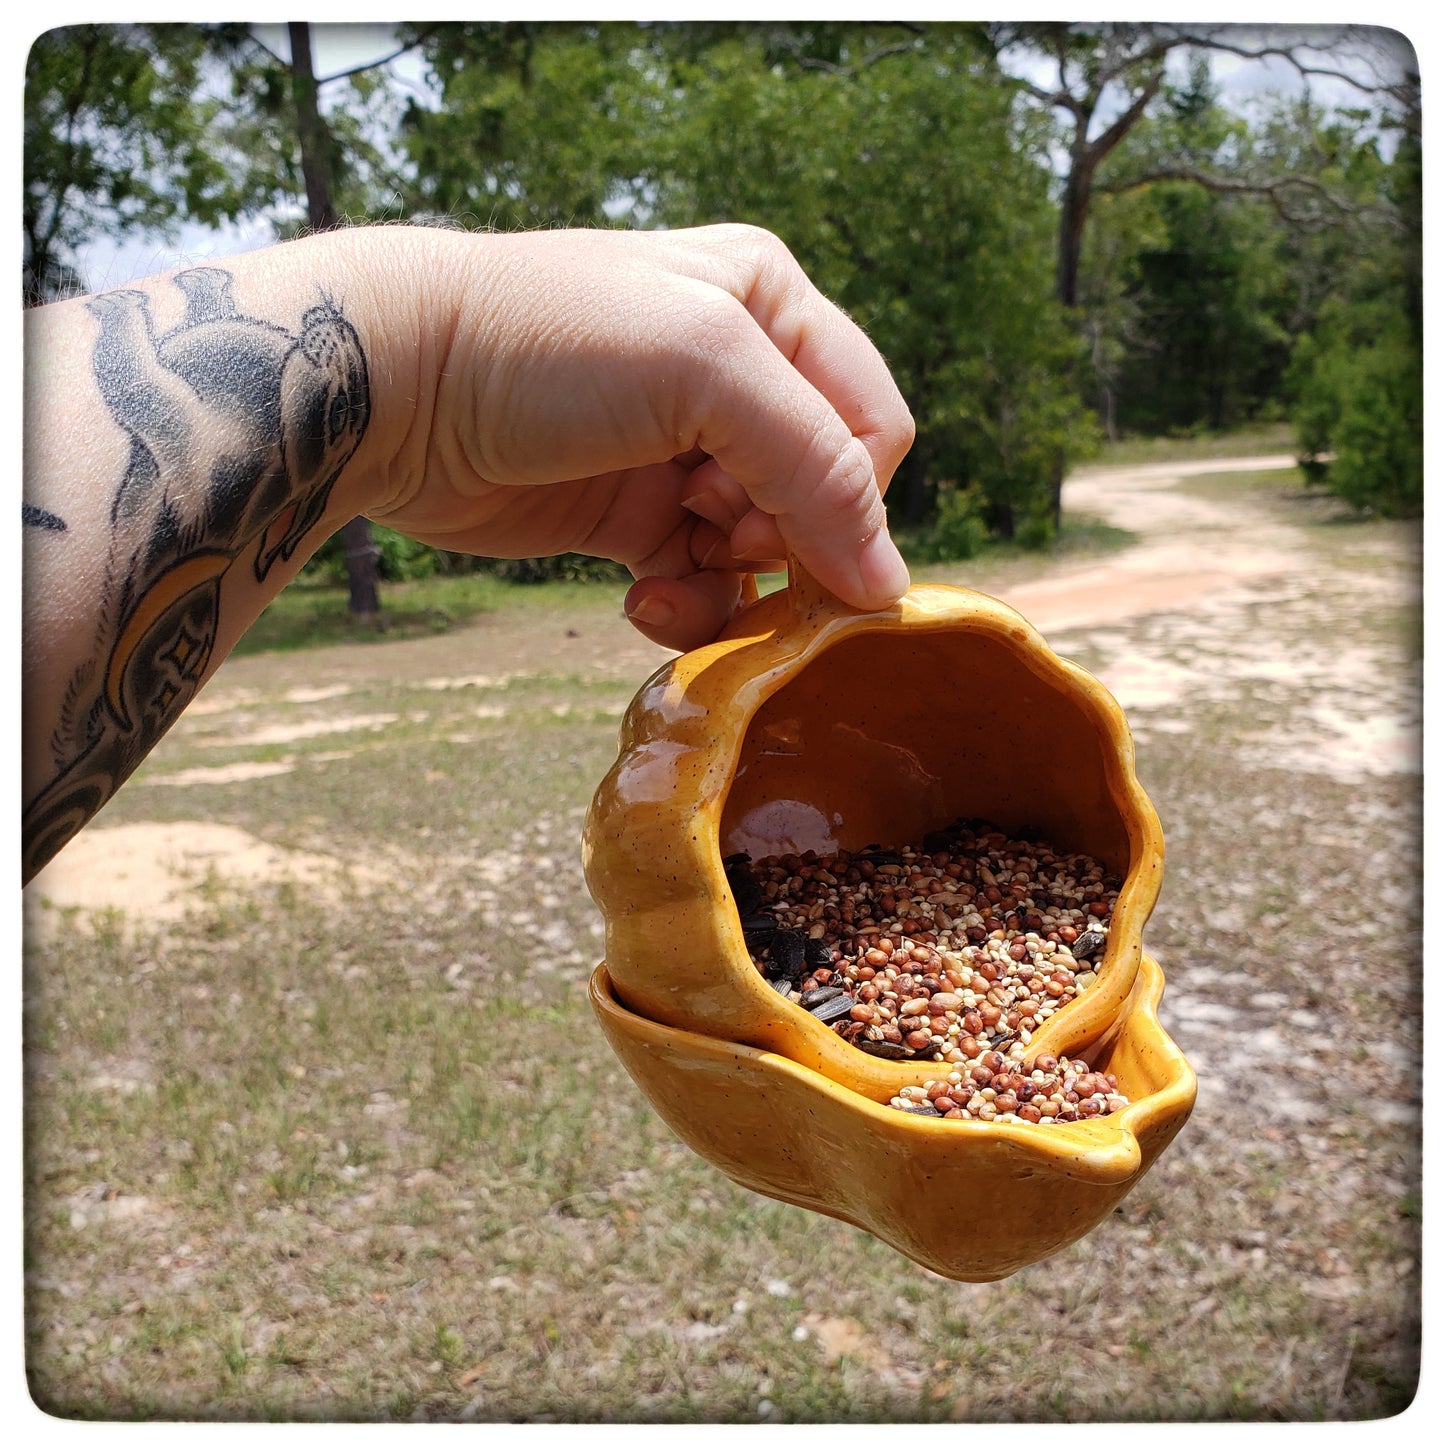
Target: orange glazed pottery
808	725
968	1199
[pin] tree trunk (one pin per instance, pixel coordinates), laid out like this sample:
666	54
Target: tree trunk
310	130
1073	212
361	551
915	500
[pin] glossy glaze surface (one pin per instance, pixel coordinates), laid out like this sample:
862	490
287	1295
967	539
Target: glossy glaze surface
970	1200
811	725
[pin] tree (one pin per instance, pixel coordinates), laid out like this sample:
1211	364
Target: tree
538	124
902	179
118	140
1206	279
1357	377
133	127
1108	78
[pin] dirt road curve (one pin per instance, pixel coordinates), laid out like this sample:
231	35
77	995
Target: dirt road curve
1189	547
1201	568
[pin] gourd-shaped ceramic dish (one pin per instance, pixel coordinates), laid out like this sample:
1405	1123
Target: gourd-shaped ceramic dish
809	725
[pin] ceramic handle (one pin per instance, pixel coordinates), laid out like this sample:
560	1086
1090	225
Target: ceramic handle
808	596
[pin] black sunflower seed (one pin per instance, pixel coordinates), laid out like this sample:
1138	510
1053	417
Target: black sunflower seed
816	996
1088	943
817	952
747	892
834	1008
882	1049
787	951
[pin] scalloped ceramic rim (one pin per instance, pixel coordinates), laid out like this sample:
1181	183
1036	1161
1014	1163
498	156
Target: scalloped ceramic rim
787	635
1105	1156
773	1126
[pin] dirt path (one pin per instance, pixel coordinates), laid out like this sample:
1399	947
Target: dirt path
1189	546
1200	560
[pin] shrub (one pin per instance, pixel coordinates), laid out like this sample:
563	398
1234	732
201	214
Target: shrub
959	530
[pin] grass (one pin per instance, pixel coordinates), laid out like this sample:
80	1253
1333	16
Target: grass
1269	439
357	1151
311	613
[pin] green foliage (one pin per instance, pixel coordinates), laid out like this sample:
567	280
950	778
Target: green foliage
916	195
1204	299
1185	285
1379	443
1357	381
130	129
116	142
399	558
537	126
1359	419
403	559
959	531
565	567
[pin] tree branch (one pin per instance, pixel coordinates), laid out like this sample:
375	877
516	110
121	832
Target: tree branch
1274	188
1288	54
1157	50
1126	120
1060	98
794	46
421	39
266	49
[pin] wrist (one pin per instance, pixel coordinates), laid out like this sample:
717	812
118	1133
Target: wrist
374	276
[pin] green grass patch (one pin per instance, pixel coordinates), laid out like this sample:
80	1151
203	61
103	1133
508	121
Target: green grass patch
1273	439
311	614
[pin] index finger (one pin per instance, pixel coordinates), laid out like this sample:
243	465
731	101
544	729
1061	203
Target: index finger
814	336
767	426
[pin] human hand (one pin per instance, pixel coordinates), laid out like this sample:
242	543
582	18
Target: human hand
684	402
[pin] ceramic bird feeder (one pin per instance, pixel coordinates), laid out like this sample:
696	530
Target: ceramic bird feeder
809	725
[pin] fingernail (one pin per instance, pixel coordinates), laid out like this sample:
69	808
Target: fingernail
719	555
652	611
762	551
711	508
882	570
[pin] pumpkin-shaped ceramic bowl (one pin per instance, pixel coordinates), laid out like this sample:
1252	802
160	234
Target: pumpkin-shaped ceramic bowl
968	1199
811	725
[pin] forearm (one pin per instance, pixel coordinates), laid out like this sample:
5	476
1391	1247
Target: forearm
684	402
189	442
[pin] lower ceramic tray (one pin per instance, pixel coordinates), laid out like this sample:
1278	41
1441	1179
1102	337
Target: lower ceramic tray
968	1199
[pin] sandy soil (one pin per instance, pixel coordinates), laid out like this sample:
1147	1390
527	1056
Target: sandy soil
1197	559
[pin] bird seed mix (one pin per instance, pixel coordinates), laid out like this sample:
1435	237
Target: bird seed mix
955	950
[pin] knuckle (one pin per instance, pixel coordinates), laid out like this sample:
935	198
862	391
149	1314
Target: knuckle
848	498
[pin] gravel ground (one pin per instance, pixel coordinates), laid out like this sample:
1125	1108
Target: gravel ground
1267	651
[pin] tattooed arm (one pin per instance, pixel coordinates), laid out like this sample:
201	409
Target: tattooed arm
684	402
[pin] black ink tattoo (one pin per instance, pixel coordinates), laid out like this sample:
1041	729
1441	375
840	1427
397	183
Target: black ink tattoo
39	517
238	430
